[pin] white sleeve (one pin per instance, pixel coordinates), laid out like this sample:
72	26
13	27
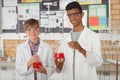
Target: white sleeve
94	56
50	62
21	64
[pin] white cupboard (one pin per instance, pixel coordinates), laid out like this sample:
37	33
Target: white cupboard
7	71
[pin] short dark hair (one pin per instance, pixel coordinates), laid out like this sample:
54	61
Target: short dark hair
30	23
72	5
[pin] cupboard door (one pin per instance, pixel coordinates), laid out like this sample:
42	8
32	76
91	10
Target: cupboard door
7	74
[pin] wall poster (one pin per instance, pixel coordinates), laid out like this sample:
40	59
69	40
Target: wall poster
31	1
50	5
53	11
86	2
26	11
97	17
9	18
10	2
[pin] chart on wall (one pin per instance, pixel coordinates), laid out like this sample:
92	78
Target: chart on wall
9	18
63	3
47	12
97	17
24	1
26	11
86	2
53	17
10	2
50	5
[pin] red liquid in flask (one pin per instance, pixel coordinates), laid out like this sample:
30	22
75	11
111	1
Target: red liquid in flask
37	64
59	55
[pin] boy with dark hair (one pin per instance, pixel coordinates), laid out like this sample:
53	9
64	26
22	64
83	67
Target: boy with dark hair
81	49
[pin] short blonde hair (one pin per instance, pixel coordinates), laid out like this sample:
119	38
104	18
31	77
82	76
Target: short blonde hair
30	23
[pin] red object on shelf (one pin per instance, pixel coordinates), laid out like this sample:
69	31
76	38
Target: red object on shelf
37	64
59	55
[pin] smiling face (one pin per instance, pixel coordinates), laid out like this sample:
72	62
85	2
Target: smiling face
75	17
33	33
32	29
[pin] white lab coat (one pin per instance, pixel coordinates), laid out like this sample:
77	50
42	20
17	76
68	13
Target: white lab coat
85	67
24	54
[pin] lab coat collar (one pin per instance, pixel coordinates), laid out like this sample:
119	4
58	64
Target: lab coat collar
27	44
84	31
